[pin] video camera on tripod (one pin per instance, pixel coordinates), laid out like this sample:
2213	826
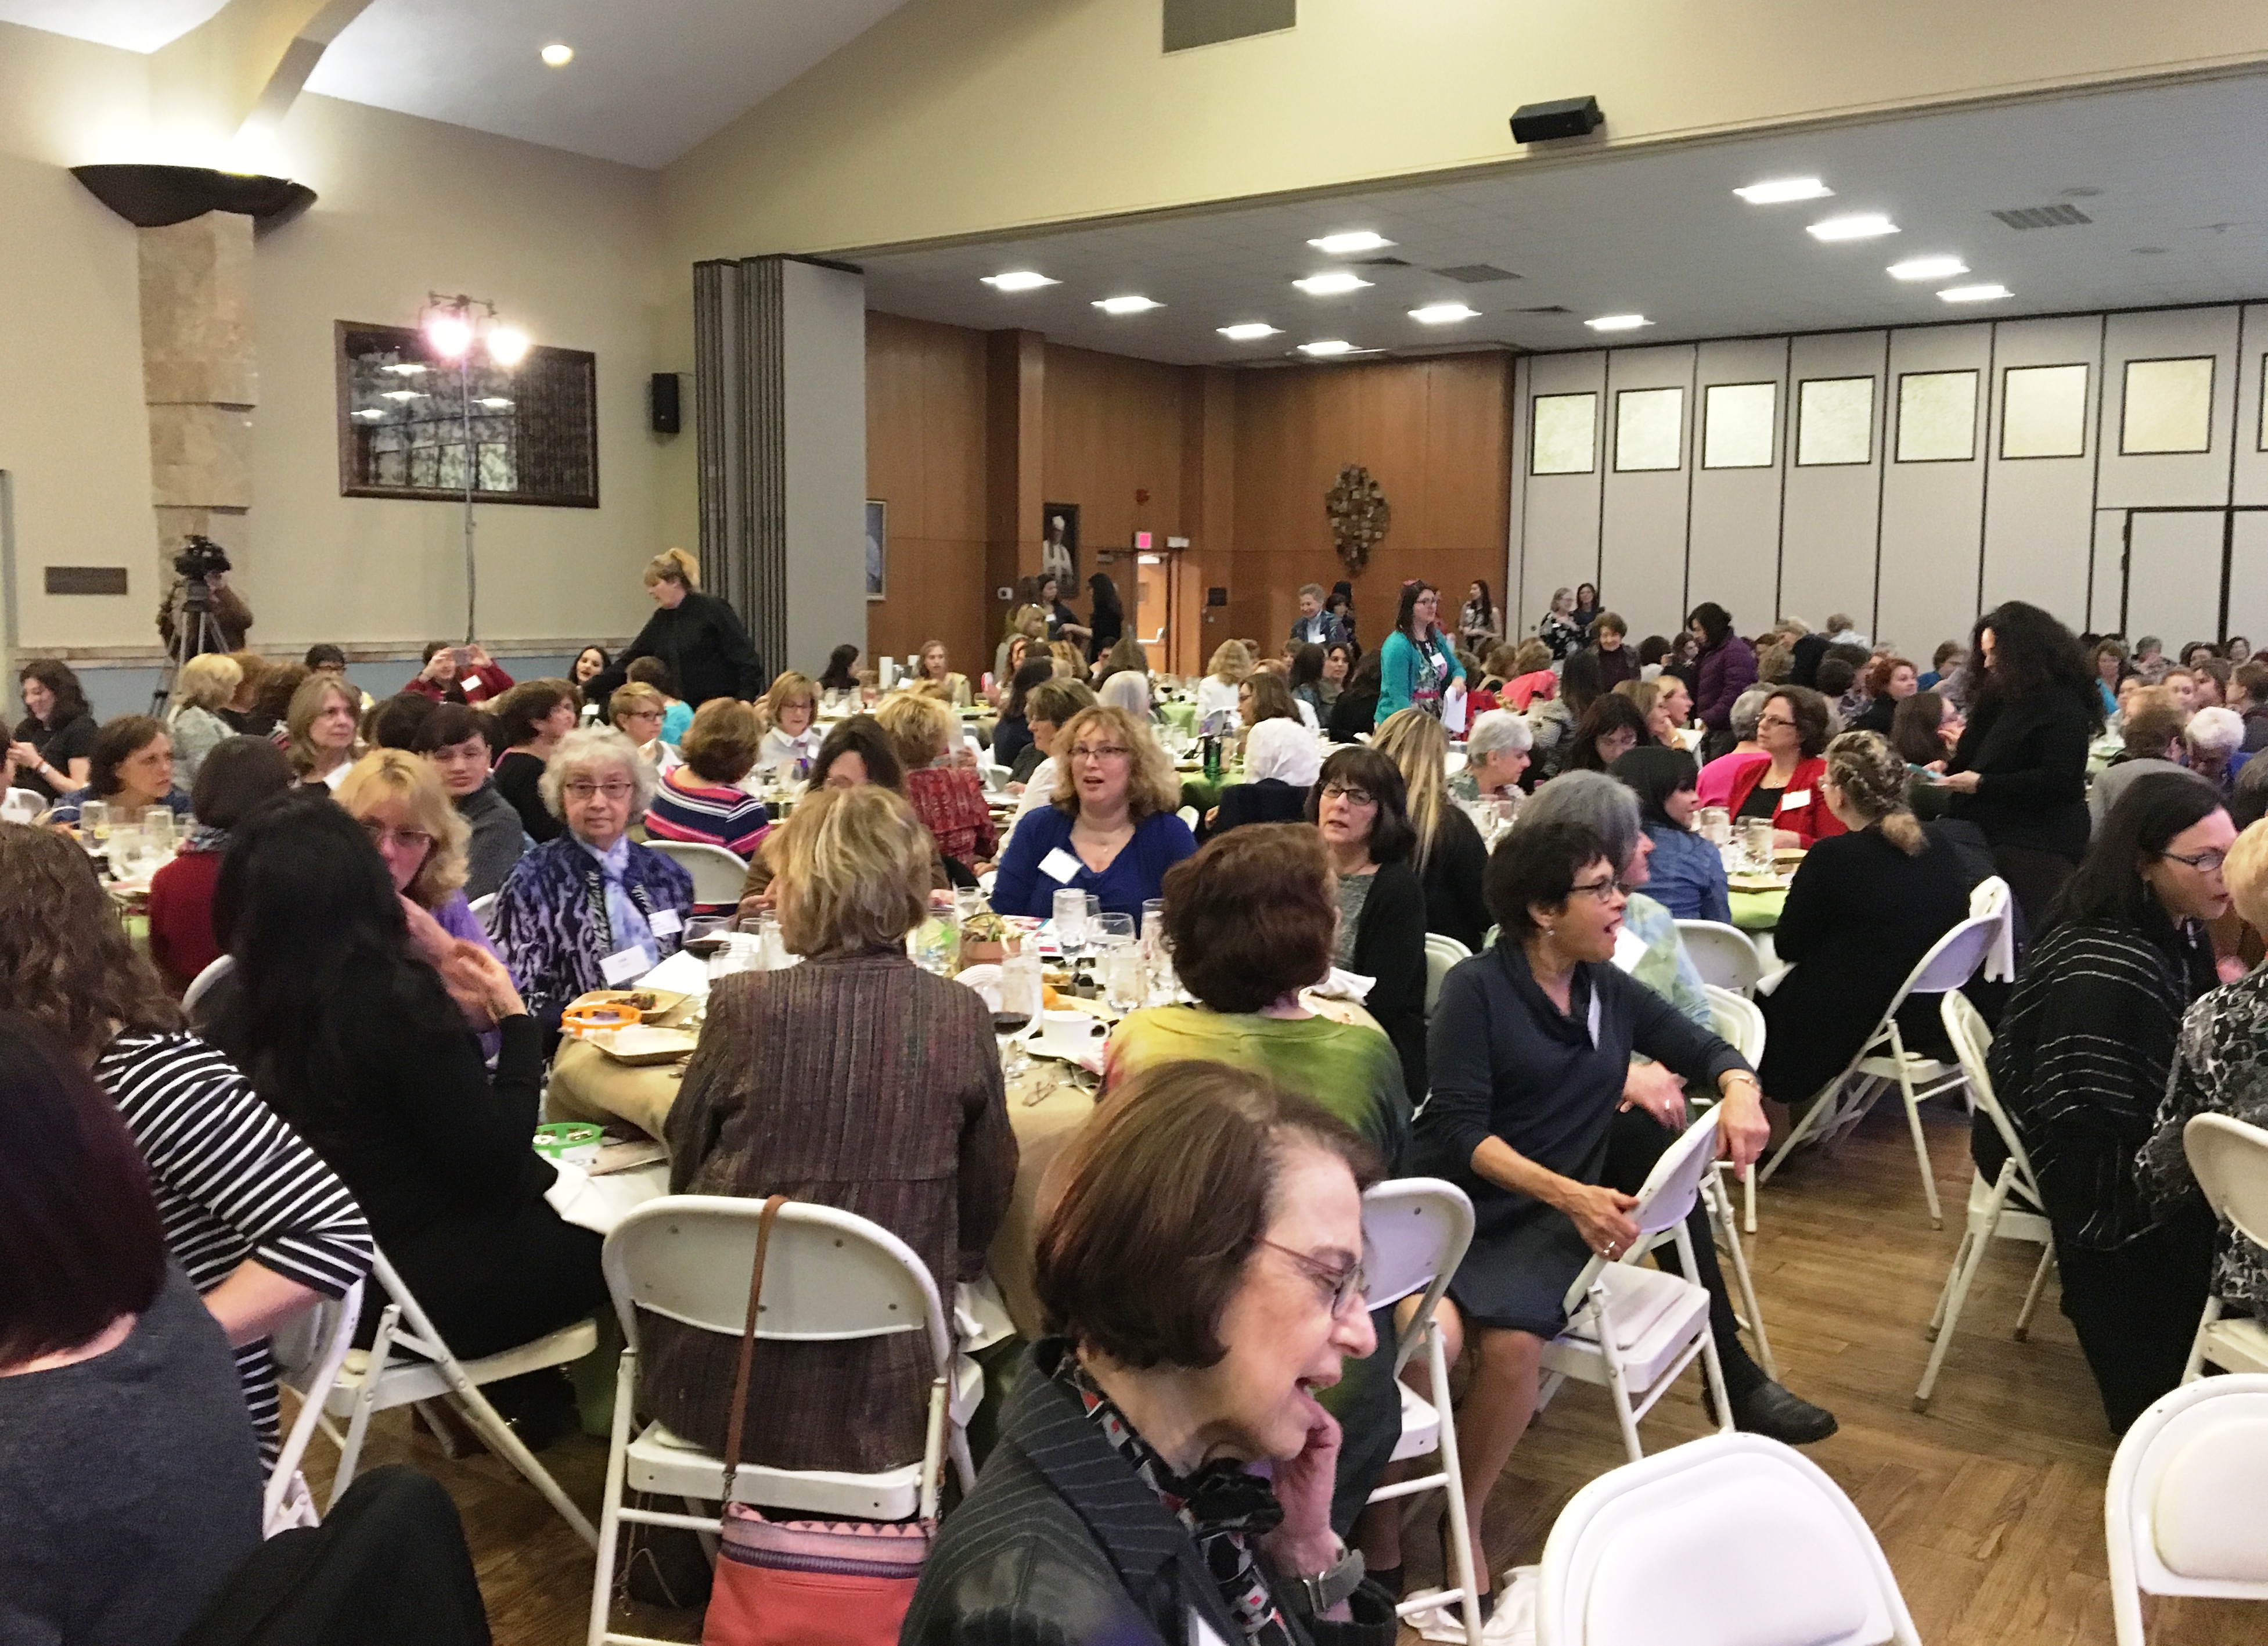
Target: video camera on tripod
192	628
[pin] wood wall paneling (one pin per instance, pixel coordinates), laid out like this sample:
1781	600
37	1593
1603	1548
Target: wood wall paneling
926	459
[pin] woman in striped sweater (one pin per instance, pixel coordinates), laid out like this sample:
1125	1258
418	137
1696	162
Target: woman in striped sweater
702	801
261	1226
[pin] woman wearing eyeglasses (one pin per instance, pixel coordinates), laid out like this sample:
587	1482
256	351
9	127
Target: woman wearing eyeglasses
2081	1063
1360	806
1784	786
1111	829
592	909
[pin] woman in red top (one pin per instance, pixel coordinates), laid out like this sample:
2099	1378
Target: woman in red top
941	782
475	678
236	775
1792	732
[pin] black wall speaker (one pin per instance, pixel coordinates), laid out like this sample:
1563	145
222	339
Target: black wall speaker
664	403
1569	117
1216	597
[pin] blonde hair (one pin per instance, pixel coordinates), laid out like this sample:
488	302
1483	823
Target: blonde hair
636	694
1069	659
1645	695
1419	746
673	565
1230	662
207	681
1151	786
386	774
2246	876
850	870
721	743
917	726
785	689
1873	776
1025	617
306	703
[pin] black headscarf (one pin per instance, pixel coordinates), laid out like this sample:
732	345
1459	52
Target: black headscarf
1654	774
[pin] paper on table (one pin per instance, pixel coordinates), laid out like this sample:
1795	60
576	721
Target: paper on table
601	1203
1345	985
680	974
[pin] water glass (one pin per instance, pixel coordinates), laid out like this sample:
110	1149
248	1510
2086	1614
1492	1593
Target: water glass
1756	844
1715	824
1125	977
1109	931
1070	921
94	822
157	823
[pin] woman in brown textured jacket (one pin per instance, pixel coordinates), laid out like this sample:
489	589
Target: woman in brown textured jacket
855	1079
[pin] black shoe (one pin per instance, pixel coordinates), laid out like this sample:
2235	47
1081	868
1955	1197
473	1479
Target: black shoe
1770	1410
1389	1578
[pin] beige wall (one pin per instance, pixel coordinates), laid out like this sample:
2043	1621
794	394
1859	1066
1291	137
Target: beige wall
971	116
569	245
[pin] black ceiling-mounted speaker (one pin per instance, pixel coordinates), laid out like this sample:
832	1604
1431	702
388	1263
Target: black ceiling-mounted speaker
664	403
1569	117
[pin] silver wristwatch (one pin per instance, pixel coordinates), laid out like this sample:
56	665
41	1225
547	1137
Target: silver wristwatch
1334	1582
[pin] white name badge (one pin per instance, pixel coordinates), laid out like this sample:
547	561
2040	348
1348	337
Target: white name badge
623	964
664	923
475	687
1794	798
1060	865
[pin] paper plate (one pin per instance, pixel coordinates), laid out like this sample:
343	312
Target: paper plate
642	1044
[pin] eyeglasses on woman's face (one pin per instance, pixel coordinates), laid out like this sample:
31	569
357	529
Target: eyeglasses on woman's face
415	840
1099	753
1783	721
584	791
1341	1284
1603	890
1351	795
2204	862
655	715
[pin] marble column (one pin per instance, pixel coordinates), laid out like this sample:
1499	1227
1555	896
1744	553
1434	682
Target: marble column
199	379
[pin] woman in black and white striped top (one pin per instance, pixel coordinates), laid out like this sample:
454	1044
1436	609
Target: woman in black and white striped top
261	1226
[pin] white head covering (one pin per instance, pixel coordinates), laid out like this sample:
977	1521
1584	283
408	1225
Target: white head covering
1283	749
1127	689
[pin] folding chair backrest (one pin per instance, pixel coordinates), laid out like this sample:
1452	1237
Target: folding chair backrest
2230	1159
1951	962
1414	1233
1739	1021
1723	955
201	985
1732	1539
718	875
1666	1198
483	909
830	1276
2186	1508
1442	953
1964	1026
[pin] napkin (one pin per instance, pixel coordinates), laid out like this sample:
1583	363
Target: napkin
600	1203
1346	986
680	974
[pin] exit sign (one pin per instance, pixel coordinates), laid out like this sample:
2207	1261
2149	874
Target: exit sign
1141	540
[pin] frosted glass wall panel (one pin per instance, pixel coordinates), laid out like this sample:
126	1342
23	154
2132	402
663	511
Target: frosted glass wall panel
1738	423
1835	422
1564	424
2168	406
1937	417
1649	427
2044	411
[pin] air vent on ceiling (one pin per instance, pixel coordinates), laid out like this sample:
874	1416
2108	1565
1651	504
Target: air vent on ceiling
1477	274
1209	22
1549	309
1383	263
2055	217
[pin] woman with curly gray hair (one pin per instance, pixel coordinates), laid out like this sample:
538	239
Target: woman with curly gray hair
592	908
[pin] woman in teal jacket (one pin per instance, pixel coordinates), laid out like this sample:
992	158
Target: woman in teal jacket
1417	663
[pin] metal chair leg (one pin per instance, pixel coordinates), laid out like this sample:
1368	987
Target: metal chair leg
1720	1213
1913	1121
2032	1297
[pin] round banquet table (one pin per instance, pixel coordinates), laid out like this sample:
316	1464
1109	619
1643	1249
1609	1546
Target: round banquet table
1203	792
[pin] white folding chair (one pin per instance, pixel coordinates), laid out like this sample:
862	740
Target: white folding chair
1731	1538
1723	955
1741	1026
1990	899
2230	1159
718	875
308	1353
829	1276
1883	1058
201	985
1442	953
2008	1209
1414	1233
997	780
409	1361
1632	1330
2186	1508
484	910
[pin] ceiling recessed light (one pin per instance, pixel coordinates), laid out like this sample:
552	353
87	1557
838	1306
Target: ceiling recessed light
494	402
1618	322
1973	293
1346	244
558	56
1332	284
1443	313
1249	331
373	412
401	395
1018	280
1327	346
1863	225
1780	190
1126	305
407	368
1928	268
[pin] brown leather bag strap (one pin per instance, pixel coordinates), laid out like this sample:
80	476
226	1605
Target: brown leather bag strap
764	1221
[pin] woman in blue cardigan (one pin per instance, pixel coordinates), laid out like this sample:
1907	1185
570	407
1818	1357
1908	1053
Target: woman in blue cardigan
1110	829
1417	663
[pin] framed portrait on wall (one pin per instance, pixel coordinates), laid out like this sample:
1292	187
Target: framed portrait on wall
1059	546
877	549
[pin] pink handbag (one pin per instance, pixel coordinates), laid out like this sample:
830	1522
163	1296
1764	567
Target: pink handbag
803	1583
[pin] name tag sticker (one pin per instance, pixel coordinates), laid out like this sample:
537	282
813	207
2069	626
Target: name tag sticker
664	923
1060	865
623	964
1794	798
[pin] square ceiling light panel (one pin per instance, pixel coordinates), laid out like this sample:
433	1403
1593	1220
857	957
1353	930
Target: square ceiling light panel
2044	411
1738	424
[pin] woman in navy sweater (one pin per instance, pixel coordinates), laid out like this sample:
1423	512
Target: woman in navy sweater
1110	829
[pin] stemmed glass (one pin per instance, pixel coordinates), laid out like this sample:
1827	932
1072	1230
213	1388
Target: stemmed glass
1070	925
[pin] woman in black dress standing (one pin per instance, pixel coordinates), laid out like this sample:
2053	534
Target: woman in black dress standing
1108	619
2019	773
700	637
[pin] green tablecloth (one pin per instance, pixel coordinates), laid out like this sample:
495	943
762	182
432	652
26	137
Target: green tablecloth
1757	910
1203	792
1181	716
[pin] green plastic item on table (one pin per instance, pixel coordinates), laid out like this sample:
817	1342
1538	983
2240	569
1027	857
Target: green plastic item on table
1757	910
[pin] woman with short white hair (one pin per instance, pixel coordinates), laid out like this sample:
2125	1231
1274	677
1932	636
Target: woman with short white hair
591	908
1281	761
1497	751
200	692
2215	736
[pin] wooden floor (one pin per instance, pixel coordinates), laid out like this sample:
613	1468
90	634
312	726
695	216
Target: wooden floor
1989	1507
